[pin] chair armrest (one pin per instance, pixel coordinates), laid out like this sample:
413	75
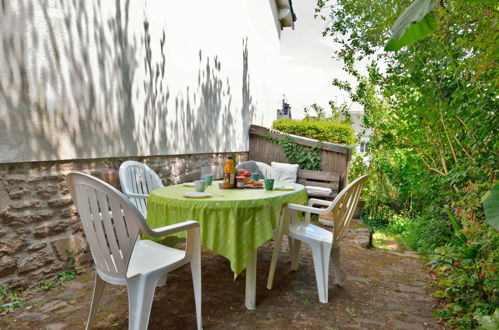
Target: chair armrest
130	195
172	229
307	209
315	201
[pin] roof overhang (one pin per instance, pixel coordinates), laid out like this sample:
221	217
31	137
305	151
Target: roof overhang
286	15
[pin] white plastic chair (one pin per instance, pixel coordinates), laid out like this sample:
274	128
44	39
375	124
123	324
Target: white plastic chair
112	226
321	241
137	182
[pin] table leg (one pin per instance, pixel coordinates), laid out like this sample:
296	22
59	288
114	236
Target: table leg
250	297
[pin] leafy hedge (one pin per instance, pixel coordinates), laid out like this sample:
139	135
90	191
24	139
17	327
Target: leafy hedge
433	108
336	132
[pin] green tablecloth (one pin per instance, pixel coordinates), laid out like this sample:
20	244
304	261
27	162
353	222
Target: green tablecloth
233	222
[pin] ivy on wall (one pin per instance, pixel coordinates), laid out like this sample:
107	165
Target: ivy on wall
308	158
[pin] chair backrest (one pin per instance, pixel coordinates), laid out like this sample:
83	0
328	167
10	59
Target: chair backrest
111	224
343	207
138	178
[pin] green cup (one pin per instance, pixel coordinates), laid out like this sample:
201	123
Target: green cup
269	184
208	178
255	176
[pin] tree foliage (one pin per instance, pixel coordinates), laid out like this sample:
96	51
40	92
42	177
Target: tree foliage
433	109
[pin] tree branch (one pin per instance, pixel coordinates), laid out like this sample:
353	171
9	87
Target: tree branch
447	135
431	168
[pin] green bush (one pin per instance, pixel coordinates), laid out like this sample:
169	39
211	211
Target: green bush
330	131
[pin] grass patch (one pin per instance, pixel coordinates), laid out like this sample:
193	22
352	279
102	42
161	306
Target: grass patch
12	298
388	242
9	295
389	231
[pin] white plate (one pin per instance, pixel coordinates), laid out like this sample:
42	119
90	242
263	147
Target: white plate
284	188
189	184
195	194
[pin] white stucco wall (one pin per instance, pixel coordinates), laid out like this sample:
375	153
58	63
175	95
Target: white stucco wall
146	77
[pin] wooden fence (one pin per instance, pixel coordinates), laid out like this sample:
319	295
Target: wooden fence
334	158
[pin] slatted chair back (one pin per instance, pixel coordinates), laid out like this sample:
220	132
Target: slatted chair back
138	179
343	207
110	223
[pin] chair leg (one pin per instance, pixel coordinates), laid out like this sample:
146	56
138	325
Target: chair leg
278	234
140	296
321	253
98	289
162	280
196	281
273	263
295	253
335	259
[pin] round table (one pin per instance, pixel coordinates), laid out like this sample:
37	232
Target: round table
234	222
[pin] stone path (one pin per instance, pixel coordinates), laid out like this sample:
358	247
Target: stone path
383	290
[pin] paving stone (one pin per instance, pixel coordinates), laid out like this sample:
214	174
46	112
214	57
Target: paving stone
56	326
409	288
396	324
53	306
31	316
357	279
424	321
367	322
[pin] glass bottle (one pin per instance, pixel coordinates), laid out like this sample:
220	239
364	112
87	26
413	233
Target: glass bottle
229	173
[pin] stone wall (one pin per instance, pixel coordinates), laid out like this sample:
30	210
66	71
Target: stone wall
40	231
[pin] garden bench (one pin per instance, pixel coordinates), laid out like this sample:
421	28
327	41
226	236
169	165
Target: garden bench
321	184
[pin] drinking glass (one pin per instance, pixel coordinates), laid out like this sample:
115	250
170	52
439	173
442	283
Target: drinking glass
269	184
208	178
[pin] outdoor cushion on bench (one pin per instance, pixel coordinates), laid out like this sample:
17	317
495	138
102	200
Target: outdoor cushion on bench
286	172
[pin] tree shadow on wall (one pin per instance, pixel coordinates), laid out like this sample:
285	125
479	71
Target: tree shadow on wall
248	108
82	88
206	115
156	96
203	117
73	75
